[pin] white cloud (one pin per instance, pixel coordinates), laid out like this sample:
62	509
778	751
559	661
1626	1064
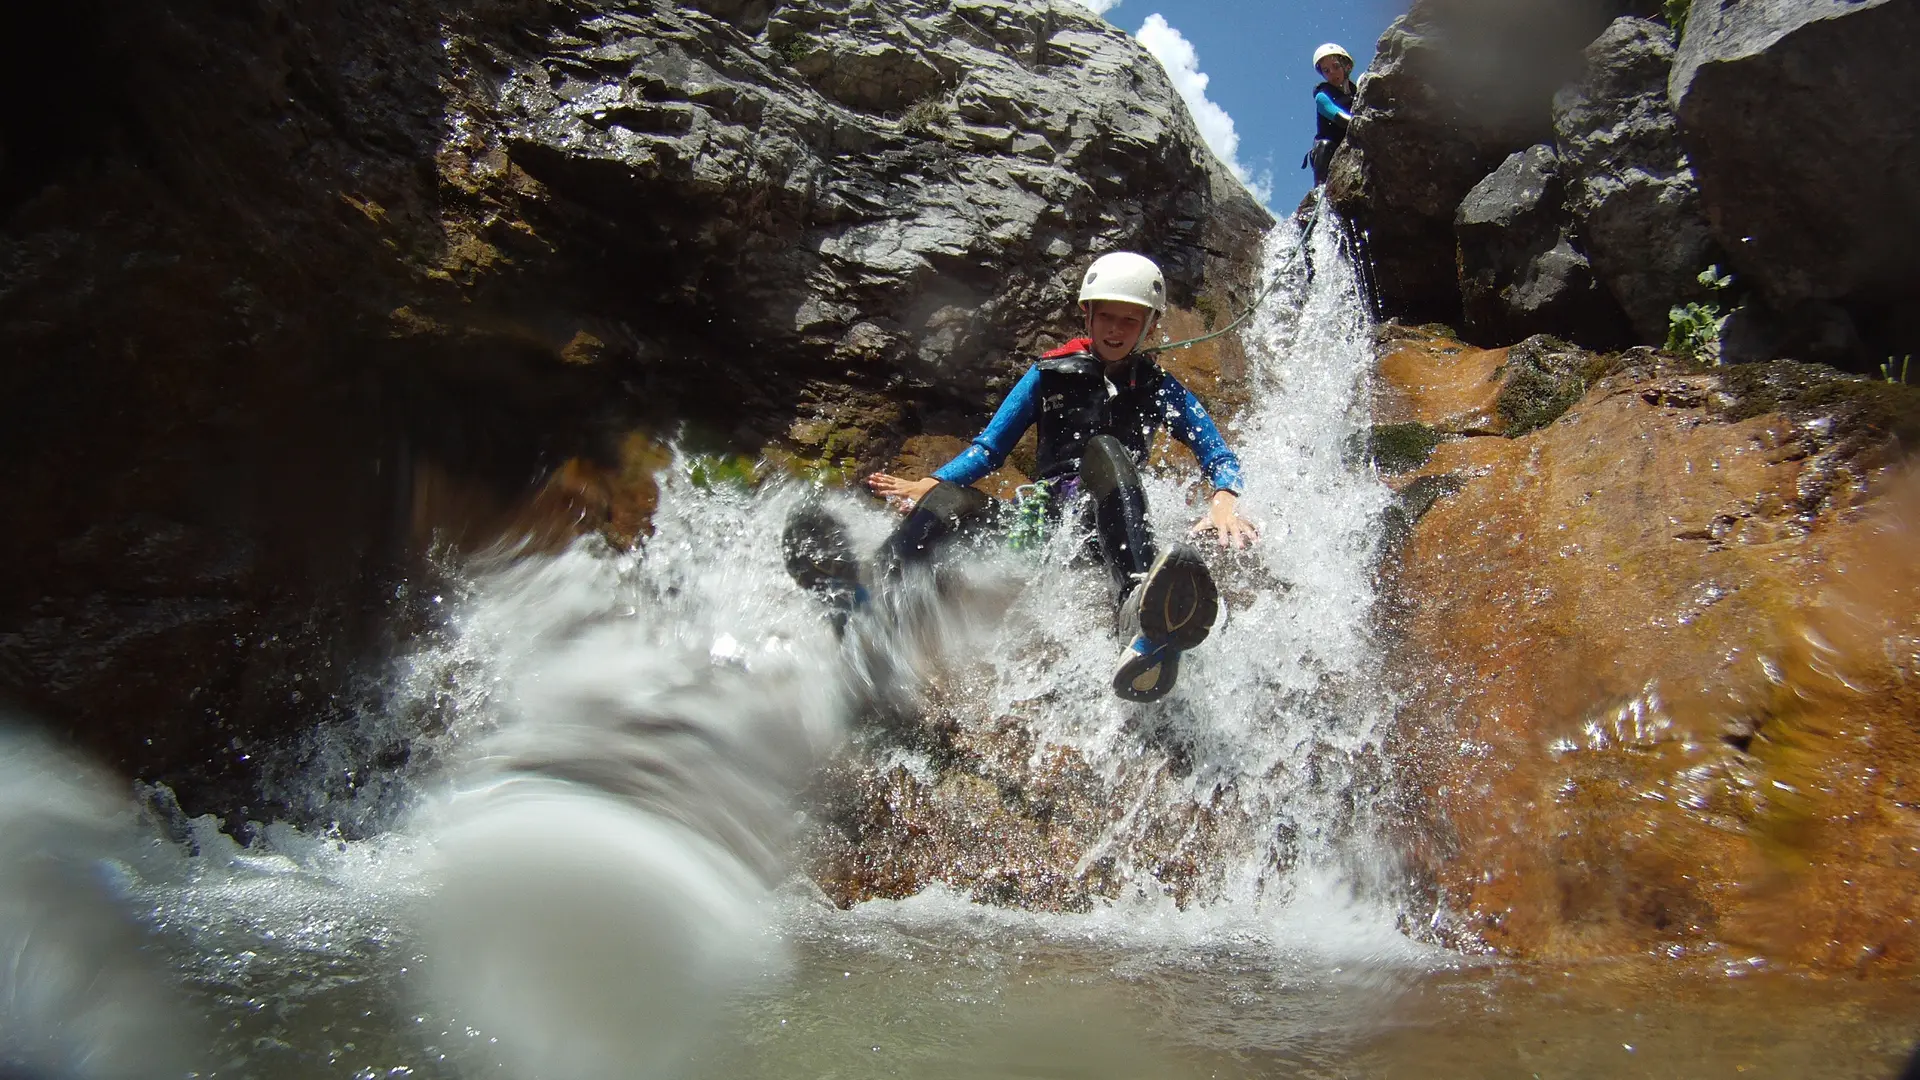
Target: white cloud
1099	7
1182	62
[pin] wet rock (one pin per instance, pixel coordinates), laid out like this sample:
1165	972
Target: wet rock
1661	695
1398	448
1629	184
1797	116
1456	86
1541	380
1520	272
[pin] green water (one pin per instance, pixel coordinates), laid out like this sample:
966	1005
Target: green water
956	996
1024	1010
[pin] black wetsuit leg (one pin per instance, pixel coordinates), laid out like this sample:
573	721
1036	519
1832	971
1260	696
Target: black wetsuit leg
946	510
1322	159
1118	504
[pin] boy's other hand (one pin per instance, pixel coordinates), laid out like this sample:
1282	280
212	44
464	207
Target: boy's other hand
1223	520
908	492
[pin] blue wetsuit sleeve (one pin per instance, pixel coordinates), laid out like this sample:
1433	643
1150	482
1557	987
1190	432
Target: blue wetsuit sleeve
1187	419
1329	109
1016	414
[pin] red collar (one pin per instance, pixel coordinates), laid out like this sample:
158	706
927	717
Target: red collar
1077	345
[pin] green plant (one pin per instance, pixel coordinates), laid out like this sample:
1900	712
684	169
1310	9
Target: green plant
1886	369
1209	309
795	47
1676	11
1693	328
710	471
926	117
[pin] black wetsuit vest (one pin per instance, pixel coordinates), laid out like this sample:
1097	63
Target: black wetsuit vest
1076	404
1334	130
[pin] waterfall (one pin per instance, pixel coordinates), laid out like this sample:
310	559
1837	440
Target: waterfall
605	746
1275	717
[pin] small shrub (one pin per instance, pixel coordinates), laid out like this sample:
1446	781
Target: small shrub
795	47
1676	11
926	117
1693	328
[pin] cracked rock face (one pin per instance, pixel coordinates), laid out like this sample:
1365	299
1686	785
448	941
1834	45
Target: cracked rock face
1521	272
903	189
1456	86
1629	182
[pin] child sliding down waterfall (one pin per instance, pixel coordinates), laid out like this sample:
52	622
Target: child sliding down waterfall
1097	402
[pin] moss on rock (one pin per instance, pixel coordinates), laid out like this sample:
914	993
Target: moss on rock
1854	406
1544	378
1401	448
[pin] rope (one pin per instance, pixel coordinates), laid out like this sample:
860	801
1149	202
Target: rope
1272	287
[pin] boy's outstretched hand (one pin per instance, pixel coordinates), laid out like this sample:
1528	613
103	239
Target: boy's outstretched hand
909	492
1223	520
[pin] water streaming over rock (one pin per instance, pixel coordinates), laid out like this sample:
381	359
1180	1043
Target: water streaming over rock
603	746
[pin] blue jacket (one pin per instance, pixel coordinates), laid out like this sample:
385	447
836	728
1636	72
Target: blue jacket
1173	407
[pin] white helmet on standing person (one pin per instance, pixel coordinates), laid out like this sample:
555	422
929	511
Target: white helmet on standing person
1127	278
1330	49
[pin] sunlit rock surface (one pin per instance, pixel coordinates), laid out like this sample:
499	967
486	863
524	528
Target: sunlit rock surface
1660	660
1520	271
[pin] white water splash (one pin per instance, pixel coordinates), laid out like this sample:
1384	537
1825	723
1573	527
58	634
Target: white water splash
619	733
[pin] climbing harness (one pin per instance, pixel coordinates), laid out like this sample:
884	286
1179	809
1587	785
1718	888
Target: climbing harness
1273	286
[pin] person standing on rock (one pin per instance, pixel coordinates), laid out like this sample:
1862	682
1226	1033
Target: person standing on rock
1332	107
1097	402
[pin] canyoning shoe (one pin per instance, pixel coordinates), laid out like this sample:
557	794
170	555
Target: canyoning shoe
1147	671
1177	602
820	559
1172	610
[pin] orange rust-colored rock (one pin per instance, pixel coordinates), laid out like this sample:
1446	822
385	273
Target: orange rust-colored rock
1664	690
1433	380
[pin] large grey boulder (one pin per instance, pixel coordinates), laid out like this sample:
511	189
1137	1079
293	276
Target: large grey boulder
1456	86
1628	181
1800	119
1521	272
905	189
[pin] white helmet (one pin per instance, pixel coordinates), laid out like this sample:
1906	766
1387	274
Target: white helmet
1330	49
1126	277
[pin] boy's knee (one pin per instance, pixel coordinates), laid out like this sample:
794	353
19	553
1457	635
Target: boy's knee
1106	467
953	503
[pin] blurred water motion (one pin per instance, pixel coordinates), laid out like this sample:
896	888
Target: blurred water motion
82	996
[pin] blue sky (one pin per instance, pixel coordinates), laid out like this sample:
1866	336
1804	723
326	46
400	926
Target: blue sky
1253	59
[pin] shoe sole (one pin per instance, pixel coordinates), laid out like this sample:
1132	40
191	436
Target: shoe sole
1179	601
819	553
1146	677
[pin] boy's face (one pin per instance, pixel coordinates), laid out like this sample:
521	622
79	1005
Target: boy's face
1334	70
1116	328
